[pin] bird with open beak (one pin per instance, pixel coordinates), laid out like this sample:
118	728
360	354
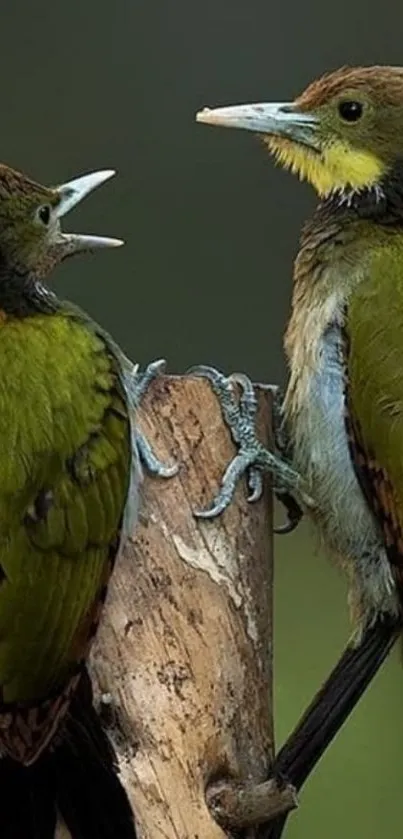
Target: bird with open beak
30	221
69	475
342	413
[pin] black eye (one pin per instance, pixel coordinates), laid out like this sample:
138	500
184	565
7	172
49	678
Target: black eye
44	214
350	111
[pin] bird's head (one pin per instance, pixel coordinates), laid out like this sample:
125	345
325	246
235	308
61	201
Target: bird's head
343	134
31	238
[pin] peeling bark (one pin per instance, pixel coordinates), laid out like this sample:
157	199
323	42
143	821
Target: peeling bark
184	653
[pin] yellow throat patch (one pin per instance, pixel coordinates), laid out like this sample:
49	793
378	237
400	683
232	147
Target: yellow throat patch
337	167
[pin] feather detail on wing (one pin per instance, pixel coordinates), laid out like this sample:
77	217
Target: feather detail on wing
373	354
57	566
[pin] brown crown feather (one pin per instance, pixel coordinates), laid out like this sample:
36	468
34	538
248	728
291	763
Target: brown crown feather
13	183
384	84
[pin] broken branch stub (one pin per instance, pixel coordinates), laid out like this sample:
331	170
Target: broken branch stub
184	652
243	805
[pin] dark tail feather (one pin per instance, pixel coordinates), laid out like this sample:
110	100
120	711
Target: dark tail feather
77	778
27	802
329	710
90	797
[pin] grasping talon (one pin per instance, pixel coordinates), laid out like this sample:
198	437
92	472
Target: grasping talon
283	446
293	511
138	382
253	459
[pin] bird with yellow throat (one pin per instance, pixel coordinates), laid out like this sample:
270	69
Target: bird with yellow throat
342	412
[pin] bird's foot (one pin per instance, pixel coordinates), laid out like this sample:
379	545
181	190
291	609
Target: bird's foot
283	446
141	380
253	459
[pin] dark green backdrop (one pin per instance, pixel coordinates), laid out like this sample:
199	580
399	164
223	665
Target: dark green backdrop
211	229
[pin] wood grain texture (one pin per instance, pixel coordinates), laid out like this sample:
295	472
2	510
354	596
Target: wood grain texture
183	657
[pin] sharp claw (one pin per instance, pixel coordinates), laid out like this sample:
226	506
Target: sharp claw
245	384
233	473
253	457
203	371
140	383
212	512
294	514
284	529
155	368
222	387
238	466
220	503
247	401
255	482
255	495
143	380
151	462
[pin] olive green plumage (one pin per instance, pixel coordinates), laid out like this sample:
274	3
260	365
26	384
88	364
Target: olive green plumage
374	390
67	479
65	430
374	326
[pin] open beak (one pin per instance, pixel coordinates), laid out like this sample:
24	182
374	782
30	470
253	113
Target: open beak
71	193
278	119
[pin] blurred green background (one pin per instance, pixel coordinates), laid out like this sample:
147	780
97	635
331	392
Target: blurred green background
211	229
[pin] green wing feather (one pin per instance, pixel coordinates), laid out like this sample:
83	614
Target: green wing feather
65	470
374	355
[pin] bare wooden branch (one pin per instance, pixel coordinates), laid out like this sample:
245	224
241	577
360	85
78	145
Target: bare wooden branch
183	658
237	806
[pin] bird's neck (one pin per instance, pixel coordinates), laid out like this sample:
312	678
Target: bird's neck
335	255
381	204
22	294
337	244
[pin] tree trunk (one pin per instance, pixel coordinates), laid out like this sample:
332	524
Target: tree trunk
183	659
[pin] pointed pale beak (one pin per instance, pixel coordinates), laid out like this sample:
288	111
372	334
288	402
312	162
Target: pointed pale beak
281	119
71	193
